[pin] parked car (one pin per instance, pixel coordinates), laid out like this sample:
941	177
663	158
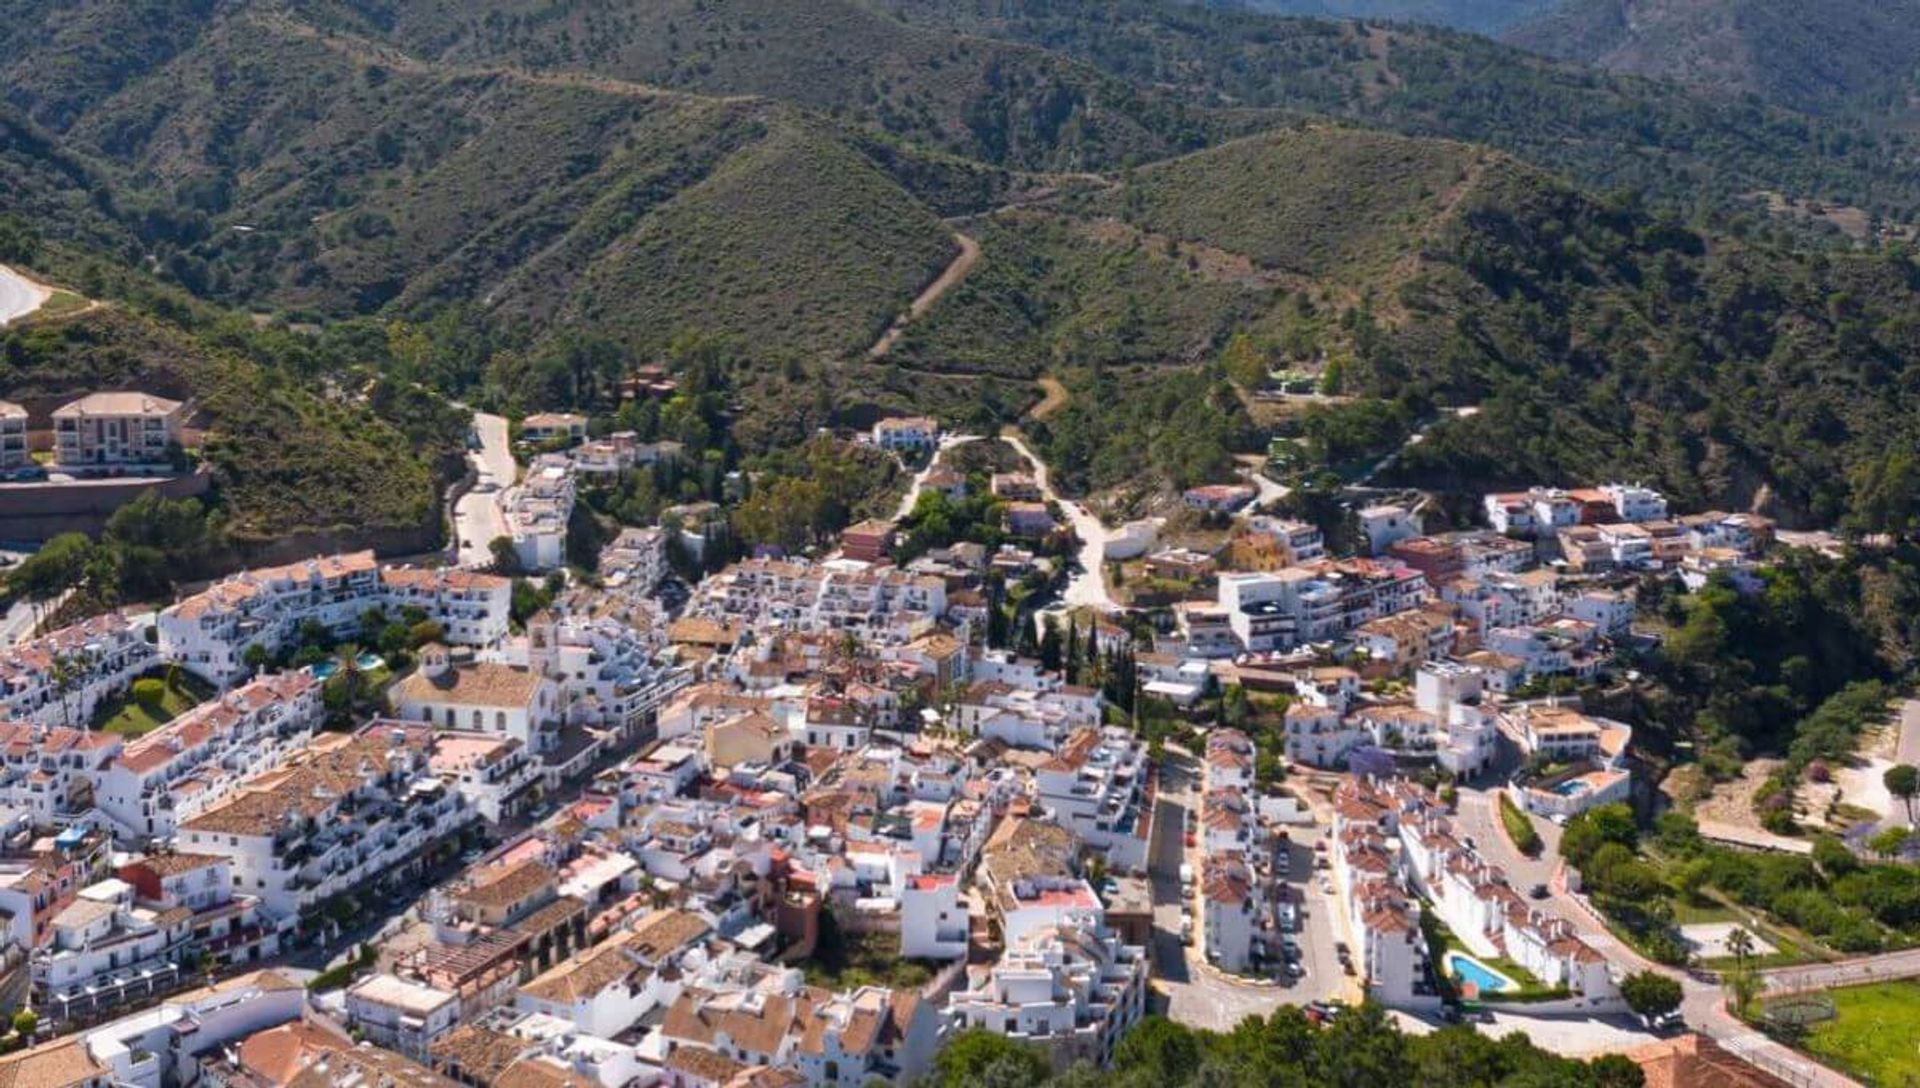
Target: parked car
1538	891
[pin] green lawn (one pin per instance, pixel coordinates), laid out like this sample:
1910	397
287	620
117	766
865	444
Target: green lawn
1702	911
124	716
1876	1037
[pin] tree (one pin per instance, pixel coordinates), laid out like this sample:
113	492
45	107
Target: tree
506	558
1903	781
149	692
1740	943
66	672
978	1057
1650	993
1167	1052
256	658
1889	841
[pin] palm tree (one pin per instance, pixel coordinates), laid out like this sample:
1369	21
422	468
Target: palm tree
66	673
1740	943
346	658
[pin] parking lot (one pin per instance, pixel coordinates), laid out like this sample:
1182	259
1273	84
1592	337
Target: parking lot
1198	994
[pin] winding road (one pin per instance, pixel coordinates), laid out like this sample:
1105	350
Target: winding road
19	296
1088	586
919	481
477	518
1703	1002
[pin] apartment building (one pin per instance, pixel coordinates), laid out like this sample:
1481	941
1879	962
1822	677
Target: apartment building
885	604
757	1015
1230	911
537	511
200	757
14	454
1071	990
49	773
1265	543
341	816
62	677
211	631
1095	785
1288	608
401	1015
116	429
609	667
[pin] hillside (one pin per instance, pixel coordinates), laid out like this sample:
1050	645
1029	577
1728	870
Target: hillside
1695	151
1597	338
349	176
999	102
284	460
1830	57
1479	16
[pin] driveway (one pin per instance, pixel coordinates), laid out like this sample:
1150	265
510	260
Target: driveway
477	518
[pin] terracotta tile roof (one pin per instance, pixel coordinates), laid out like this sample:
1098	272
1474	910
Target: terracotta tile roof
538	1073
480	1054
483	683
63	1063
664	932
582	976
1692	1061
503	886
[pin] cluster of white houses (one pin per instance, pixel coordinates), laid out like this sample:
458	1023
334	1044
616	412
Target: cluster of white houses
1397	855
212	631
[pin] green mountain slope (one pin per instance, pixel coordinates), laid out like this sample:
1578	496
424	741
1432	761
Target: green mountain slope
1687	149
348	176
1830	57
1597	339
1479	16
999	102
285	461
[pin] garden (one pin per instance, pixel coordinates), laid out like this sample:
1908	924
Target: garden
1872	1033
1791	908
151	702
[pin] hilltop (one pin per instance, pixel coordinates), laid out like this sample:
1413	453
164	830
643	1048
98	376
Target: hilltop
1830	57
510	202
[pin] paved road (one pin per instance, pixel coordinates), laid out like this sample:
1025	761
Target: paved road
919	481
1198	995
19	296
1703	1003
1088	588
477	518
1415	439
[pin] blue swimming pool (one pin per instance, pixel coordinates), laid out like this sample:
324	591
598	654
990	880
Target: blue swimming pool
1573	787
368	662
323	670
1484	978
